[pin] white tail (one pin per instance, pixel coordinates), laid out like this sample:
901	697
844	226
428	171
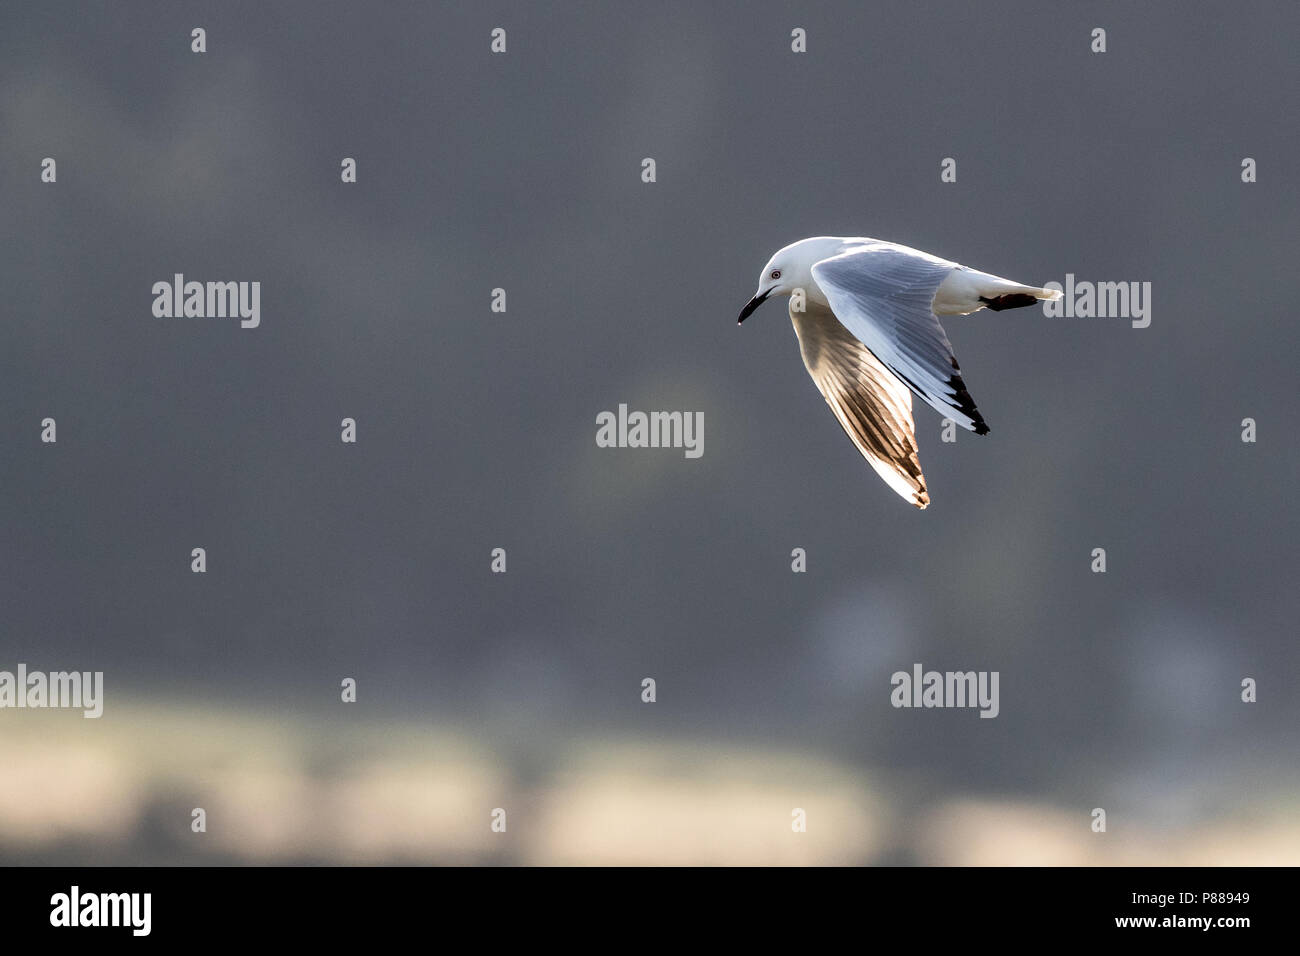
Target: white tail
966	291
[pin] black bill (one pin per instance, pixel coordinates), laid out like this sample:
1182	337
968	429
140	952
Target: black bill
750	306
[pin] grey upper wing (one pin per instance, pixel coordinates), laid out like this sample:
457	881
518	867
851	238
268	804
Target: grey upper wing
873	406
884	295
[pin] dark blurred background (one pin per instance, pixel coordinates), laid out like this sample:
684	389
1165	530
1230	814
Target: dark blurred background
476	431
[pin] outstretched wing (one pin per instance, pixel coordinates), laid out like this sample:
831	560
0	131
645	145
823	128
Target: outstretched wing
874	407
884	295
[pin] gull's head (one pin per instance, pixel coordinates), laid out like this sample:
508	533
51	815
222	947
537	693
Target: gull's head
791	269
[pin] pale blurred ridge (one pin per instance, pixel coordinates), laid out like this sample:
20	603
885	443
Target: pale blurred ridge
296	790
986	833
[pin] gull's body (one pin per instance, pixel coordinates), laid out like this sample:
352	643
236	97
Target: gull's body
870	336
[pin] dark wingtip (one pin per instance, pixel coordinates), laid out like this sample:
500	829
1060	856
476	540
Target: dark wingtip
967	404
1012	300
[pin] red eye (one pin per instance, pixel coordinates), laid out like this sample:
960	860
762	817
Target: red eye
776	273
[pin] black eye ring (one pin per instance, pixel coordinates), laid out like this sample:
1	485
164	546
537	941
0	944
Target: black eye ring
776	273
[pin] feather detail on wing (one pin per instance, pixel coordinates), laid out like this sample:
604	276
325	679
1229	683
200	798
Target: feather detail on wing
884	295
872	405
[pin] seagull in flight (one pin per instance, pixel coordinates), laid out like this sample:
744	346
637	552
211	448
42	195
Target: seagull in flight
866	315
